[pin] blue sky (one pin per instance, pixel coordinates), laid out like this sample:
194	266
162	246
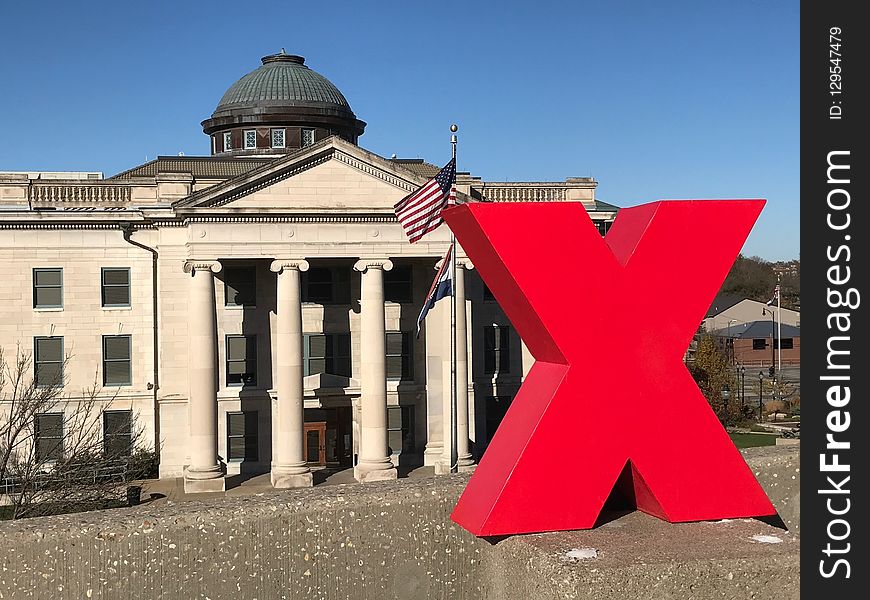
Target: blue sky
653	99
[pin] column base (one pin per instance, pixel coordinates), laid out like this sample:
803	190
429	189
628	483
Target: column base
291	480
432	454
377	472
198	482
442	468
465	464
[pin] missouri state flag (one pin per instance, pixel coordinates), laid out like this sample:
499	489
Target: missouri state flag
441	287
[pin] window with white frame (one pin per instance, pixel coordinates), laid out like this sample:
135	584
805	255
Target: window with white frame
400	355
228	140
48	434
278	138
117	433
496	349
398	284
250	139
241	360
326	353
326	285
115	287
307	137
48	288
242	436
48	361
116	360
400	428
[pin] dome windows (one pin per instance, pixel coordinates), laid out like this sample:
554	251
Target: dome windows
278	138
250	139
307	137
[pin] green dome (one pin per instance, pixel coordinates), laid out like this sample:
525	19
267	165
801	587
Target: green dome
282	80
283	93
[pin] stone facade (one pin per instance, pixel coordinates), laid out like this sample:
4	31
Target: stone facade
326	209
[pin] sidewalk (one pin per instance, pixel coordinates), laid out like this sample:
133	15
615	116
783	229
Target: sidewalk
164	490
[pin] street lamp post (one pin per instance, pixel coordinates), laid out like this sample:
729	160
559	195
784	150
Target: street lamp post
742	388
730	343
726	393
760	388
773	338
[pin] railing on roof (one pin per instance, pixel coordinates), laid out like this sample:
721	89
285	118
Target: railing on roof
524	194
574	188
92	192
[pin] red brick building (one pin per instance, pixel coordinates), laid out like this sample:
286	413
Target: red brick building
754	343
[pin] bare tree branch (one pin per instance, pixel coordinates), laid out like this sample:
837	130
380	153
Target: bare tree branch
76	468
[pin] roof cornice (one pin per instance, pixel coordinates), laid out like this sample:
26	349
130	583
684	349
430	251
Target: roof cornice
332	148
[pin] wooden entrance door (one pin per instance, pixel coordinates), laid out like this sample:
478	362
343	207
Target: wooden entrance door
315	443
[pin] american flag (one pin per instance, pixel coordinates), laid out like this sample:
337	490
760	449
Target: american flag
775	295
420	212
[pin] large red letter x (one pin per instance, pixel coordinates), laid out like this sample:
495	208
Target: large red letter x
608	400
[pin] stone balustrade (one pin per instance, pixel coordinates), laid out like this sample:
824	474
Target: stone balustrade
91	192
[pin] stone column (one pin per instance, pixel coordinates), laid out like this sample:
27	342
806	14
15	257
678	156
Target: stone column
374	463
465	461
437	392
204	473
289	469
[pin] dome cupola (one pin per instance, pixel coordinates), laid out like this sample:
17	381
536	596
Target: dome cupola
280	107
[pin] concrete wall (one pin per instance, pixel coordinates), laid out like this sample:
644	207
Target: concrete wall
394	540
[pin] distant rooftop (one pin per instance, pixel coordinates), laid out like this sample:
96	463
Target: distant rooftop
201	167
418	166
759	329
723	301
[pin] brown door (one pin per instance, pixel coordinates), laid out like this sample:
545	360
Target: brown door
315	443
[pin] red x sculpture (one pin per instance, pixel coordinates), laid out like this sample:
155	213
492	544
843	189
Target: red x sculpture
608	403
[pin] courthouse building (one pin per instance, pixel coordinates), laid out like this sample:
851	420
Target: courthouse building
255	309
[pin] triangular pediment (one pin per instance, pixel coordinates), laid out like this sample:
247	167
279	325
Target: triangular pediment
331	176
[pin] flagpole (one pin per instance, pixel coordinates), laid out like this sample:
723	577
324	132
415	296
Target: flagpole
779	327
454	457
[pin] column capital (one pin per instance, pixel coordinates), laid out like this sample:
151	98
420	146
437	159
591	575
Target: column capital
280	264
201	265
462	262
364	264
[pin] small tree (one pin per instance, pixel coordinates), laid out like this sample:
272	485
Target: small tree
713	375
73	469
779	396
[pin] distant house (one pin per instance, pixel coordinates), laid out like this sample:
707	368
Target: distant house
734	311
753	343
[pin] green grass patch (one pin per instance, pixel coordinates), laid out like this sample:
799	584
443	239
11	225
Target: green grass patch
751	440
